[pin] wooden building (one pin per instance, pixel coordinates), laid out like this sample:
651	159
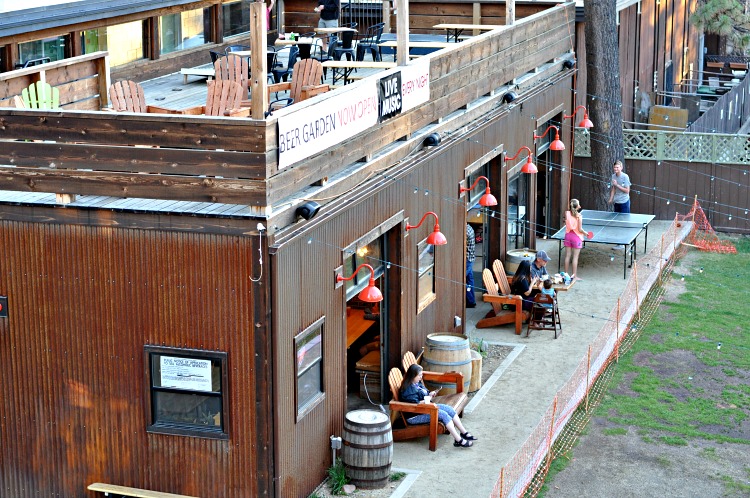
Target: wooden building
172	317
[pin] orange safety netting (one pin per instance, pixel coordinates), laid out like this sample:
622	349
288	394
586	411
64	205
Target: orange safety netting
555	435
702	236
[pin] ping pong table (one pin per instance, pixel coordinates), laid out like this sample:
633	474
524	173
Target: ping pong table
614	229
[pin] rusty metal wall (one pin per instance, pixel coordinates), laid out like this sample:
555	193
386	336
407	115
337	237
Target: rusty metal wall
83	302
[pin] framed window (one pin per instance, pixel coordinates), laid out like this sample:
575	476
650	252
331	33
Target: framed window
518	188
308	362
372	254
49	50
183	30
235	17
123	41
426	277
188	392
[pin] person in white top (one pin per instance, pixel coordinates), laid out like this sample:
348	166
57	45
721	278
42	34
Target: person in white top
619	192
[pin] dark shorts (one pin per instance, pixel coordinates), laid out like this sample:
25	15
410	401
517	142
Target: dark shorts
622	208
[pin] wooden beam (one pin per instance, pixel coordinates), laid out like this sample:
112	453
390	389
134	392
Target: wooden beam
402	32
179	188
258	60
510	12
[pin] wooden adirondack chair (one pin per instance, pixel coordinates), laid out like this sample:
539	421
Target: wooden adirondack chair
224	98
234	68
400	411
41	95
306	78
497	296
128	96
458	400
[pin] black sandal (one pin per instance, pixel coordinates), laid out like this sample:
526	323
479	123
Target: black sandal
467	435
464	443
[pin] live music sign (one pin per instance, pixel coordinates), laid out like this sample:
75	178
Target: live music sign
315	128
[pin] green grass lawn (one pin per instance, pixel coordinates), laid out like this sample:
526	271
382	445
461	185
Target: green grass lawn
687	377
687	374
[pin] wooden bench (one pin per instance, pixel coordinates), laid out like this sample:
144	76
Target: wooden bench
200	71
115	490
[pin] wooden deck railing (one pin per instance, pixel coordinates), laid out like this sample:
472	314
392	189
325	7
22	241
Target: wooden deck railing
83	81
235	160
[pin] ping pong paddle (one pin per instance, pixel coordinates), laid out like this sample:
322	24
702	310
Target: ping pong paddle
590	235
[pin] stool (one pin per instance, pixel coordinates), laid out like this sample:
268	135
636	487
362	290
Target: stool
368	368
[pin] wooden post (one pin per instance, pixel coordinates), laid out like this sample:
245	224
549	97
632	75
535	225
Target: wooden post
258	64
510	12
661	257
402	32
476	14
617	333
502	481
588	378
386	16
549	434
637	300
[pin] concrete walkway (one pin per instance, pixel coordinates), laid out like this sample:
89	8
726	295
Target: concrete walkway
510	410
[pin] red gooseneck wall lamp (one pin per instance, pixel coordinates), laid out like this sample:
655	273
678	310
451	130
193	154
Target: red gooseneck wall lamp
556	144
585	122
529	167
369	294
487	199
436	238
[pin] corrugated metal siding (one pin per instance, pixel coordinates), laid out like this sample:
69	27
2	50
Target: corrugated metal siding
83	302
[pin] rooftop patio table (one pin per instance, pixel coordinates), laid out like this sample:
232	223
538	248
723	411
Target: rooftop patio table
343	69
304	44
457	29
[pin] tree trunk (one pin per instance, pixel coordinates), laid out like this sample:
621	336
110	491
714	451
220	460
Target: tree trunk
605	100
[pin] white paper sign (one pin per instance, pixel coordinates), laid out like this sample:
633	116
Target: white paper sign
186	373
316	128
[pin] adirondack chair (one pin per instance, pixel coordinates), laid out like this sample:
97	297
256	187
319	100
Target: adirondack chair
457	401
41	95
401	430
497	296
224	98
234	68
306	78
128	96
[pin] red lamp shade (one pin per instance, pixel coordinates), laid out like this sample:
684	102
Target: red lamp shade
529	167
436	238
586	122
487	199
369	294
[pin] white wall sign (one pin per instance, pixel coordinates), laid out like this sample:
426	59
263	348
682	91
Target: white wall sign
316	128
186	373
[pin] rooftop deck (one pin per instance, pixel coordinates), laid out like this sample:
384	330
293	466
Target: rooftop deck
82	151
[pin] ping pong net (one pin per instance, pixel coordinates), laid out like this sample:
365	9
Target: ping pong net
702	235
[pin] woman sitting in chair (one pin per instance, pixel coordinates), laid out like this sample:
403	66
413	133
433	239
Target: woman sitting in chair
413	391
524	285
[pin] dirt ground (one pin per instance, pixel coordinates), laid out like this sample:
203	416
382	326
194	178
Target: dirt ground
640	465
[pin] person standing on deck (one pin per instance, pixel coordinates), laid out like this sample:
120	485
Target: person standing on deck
329	13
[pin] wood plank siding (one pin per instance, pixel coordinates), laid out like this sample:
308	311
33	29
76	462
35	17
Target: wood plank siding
83	303
103	141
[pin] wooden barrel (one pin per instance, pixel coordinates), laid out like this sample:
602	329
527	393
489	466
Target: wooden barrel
514	257
476	371
447	352
368	448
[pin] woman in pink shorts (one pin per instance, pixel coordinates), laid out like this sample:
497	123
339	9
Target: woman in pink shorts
574	236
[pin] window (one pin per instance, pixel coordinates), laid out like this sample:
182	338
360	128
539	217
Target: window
517	200
308	352
123	41
372	254
187	392
183	30
426	278
235	17
48	50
